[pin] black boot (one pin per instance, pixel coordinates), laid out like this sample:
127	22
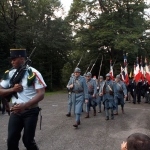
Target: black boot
107	118
68	115
112	116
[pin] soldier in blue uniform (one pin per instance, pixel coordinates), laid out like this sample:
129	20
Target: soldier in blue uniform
70	102
92	89
79	94
108	96
25	110
100	84
119	94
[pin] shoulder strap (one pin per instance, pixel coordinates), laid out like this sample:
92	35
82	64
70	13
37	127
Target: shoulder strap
79	84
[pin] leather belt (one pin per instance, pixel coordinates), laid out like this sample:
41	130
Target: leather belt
33	106
76	92
30	107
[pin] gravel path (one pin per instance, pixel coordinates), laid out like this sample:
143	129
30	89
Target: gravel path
94	133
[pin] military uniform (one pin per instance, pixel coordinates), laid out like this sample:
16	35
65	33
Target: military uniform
147	92
27	118
100	84
108	96
133	90
120	91
138	91
70	102
79	94
92	90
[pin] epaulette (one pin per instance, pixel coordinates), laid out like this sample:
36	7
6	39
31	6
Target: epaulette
6	74
31	77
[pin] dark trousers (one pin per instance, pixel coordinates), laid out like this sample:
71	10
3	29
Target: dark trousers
26	120
139	96
3	105
134	96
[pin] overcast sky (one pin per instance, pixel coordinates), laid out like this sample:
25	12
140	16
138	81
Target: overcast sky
66	4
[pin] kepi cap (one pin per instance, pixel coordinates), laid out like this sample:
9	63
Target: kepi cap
15	53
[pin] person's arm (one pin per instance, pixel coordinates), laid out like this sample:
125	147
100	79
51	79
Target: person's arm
38	97
5	92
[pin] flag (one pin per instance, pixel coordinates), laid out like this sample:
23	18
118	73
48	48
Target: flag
122	73
147	71
126	70
141	69
137	73
111	70
131	74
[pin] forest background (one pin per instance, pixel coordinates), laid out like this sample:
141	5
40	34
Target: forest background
92	29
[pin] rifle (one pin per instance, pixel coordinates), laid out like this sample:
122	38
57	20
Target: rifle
94	63
88	67
80	60
18	75
100	69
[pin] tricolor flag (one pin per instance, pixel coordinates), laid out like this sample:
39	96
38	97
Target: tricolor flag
147	71
124	71
122	74
137	72
111	70
141	69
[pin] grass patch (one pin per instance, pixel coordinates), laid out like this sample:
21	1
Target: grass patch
55	92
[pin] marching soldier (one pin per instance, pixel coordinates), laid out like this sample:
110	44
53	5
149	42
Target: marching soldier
100	84
138	91
133	90
70	102
107	91
79	94
24	111
92	89
119	94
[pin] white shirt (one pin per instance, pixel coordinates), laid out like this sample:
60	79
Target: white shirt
28	92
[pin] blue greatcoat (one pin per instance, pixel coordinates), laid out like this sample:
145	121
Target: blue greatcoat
119	91
92	90
79	93
70	102
108	96
99	98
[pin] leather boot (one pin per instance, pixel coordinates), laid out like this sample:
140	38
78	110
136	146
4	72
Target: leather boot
87	115
112	116
99	111
107	118
76	125
79	122
68	115
116	113
122	111
94	113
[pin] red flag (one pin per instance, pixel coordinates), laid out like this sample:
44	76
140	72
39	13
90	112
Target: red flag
111	70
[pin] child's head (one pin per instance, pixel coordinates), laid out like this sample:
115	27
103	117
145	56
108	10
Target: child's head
138	141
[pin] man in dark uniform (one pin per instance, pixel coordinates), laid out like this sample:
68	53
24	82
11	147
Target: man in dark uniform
138	91
25	110
133	89
147	91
